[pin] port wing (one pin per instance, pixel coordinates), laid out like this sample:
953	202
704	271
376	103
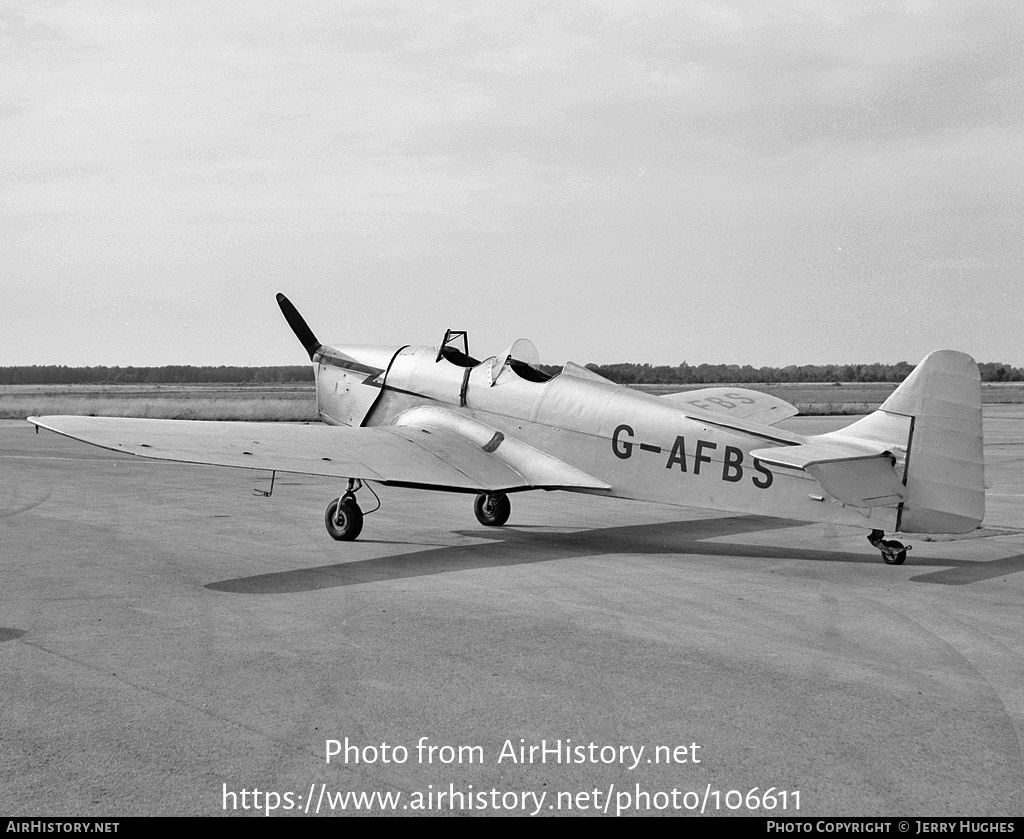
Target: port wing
426	454
401	455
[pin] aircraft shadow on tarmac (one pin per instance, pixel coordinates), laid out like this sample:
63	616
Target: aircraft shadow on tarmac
517	546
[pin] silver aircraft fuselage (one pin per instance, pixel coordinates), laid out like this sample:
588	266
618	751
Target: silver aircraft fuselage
637	446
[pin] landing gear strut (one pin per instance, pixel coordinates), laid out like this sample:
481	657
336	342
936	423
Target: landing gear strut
893	552
343	517
492	510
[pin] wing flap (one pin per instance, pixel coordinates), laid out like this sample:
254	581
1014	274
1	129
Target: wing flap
422	457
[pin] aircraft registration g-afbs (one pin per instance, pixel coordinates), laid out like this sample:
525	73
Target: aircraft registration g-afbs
436	418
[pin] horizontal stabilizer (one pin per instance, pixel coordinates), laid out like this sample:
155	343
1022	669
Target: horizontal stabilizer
819	450
736	402
858	474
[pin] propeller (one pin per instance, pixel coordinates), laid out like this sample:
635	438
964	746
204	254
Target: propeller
299	326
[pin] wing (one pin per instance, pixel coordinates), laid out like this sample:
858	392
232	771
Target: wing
736	402
435	458
420	457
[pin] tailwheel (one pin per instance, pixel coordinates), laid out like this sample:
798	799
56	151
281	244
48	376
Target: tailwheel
893	552
492	510
343	518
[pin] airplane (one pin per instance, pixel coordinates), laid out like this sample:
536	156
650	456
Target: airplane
437	418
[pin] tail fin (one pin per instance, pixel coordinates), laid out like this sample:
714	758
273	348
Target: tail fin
937	411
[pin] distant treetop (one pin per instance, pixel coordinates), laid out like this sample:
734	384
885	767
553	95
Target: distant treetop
173	374
628	374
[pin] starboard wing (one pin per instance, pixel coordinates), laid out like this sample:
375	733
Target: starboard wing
736	402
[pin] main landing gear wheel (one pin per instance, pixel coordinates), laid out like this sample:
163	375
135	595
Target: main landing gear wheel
492	510
343	518
893	552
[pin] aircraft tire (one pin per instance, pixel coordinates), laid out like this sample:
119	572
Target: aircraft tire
346	525
492	510
896	553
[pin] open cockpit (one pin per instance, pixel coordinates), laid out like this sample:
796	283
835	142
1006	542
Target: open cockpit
521	358
452	354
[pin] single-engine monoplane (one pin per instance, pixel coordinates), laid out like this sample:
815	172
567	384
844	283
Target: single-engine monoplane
437	418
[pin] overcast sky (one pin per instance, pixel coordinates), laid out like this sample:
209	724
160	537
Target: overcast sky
746	182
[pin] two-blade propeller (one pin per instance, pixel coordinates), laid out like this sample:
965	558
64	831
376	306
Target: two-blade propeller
299	326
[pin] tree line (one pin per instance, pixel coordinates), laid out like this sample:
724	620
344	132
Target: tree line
172	374
686	374
628	374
